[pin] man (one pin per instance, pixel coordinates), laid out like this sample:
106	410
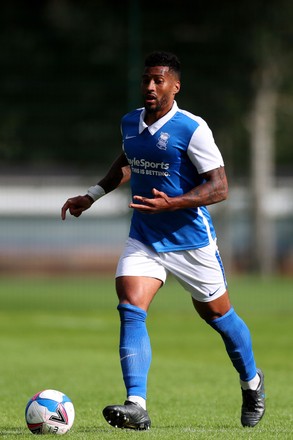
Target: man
175	170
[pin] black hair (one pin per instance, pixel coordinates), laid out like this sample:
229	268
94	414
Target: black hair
161	58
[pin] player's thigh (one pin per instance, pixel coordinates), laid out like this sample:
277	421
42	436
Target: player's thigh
139	274
137	291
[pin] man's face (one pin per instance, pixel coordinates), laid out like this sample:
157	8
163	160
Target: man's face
159	86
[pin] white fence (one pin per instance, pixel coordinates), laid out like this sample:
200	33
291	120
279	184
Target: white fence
31	229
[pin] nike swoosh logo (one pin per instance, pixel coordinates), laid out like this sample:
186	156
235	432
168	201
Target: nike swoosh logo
212	294
127	356
129	137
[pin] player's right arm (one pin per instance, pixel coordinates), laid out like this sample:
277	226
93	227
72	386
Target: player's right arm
118	174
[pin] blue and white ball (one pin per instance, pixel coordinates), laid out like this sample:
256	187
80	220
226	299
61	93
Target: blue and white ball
49	412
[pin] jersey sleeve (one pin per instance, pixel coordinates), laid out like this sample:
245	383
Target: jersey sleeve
203	151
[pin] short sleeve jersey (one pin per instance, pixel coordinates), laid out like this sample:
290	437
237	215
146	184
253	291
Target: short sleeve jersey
170	155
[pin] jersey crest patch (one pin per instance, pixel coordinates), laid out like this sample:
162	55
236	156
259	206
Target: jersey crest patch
163	141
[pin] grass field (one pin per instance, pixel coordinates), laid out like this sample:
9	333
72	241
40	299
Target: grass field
62	333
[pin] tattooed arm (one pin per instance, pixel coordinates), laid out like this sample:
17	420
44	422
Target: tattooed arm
213	190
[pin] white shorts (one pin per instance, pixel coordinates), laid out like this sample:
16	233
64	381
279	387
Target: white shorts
199	271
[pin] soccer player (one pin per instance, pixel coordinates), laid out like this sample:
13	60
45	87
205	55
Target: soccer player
175	170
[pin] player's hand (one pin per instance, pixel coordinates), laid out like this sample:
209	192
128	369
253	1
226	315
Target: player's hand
76	205
159	203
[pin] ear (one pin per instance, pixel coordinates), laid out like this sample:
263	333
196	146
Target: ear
177	86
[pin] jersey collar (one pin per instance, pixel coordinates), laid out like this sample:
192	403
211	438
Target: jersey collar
159	123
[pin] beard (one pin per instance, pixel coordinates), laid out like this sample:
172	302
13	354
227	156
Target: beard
156	105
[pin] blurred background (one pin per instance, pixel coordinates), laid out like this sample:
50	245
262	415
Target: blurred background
70	70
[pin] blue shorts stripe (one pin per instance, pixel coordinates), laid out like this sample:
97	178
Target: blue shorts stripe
221	266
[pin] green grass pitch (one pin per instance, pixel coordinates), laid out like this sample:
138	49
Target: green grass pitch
62	333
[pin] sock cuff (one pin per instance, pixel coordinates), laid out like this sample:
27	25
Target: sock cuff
127	310
218	320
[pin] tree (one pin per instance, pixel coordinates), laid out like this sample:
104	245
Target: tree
273	59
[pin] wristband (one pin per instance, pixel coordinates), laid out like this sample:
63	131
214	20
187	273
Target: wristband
96	192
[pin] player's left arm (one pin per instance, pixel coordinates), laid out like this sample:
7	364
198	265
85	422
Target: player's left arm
213	190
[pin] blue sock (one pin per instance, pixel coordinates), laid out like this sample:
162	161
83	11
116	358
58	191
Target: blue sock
236	337
135	349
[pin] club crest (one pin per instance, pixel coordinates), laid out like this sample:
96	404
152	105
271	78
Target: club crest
162	141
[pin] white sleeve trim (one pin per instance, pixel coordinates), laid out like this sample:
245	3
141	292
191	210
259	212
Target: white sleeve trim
202	149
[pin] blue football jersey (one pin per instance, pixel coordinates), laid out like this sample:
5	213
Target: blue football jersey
170	155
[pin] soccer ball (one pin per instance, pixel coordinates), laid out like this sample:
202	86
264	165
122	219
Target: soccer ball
49	412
